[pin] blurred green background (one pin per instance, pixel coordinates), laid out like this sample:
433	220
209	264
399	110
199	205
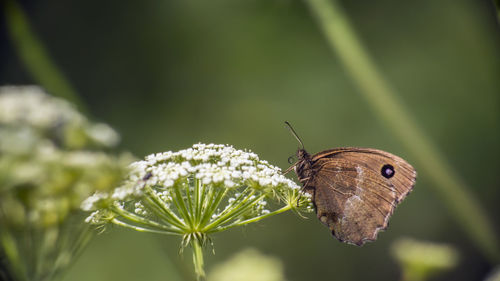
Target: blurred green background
167	74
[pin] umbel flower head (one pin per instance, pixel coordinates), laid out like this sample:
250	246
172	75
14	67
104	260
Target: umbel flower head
195	192
51	159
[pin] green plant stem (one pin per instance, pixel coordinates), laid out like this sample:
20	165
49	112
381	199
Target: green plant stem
145	222
497	6
161	209
34	56
241	208
178	200
144	229
210	208
382	98
199	196
198	259
11	251
234	210
279	211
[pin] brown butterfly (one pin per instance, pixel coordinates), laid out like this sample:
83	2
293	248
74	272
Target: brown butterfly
354	190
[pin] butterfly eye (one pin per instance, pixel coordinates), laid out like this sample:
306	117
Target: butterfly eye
387	171
291	159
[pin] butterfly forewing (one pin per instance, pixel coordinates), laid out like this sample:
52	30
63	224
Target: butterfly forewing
374	159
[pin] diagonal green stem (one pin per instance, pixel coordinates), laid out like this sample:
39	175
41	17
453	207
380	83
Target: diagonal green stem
497	6
235	210
144	229
161	209
388	107
179	202
145	222
255	219
227	212
241	209
34	55
212	203
12	253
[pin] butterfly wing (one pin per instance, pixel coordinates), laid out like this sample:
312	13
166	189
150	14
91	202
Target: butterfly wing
351	194
404	176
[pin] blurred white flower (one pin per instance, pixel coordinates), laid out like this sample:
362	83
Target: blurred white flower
50	161
20	105
30	107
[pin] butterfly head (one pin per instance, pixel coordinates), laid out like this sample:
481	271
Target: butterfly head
302	155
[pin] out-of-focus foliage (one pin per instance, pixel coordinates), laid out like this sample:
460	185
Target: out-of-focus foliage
494	275
421	260
51	159
248	265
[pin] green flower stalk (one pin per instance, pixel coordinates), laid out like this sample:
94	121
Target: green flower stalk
51	159
421	260
196	192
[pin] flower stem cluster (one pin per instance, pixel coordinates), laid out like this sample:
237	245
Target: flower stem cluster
195	192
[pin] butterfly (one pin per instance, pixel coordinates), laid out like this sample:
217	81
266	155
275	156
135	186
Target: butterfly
354	190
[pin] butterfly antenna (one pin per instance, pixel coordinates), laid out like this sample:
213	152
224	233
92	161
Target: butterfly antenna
294	133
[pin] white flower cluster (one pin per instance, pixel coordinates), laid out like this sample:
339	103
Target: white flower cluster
30	106
212	164
52	154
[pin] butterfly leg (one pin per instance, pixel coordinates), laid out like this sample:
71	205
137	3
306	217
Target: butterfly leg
306	188
302	190
289	168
